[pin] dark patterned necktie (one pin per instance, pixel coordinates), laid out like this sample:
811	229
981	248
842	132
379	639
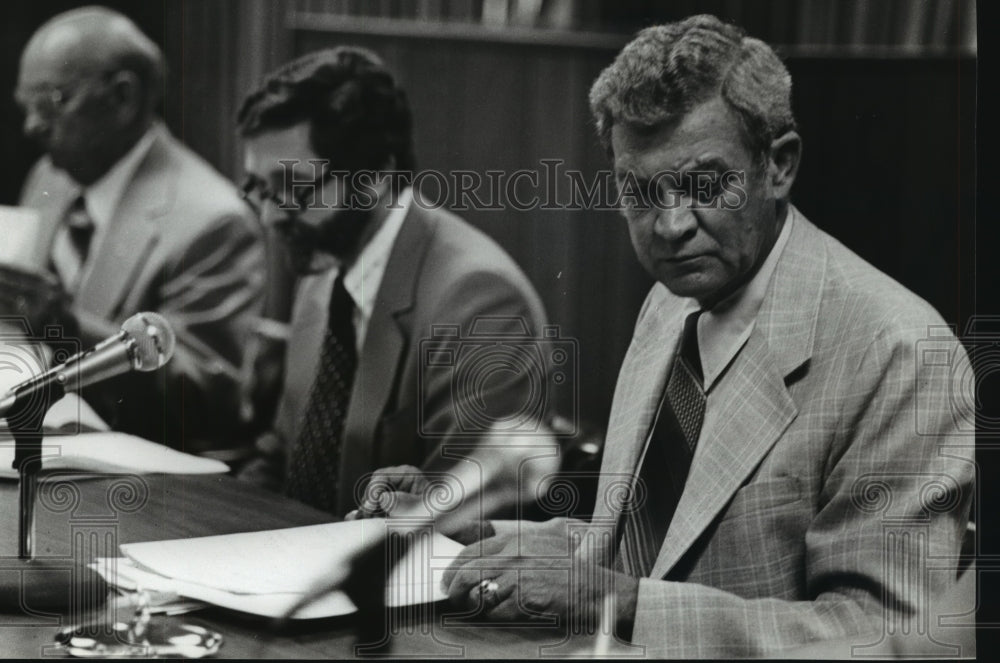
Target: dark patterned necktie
314	458
667	459
79	233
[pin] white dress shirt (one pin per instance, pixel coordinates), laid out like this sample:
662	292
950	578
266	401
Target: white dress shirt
725	328
101	200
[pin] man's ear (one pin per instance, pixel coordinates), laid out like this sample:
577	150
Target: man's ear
126	90
786	151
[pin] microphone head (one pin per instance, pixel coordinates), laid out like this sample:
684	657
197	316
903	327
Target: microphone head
151	338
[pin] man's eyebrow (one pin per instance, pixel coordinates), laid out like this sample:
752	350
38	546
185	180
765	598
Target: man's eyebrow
707	162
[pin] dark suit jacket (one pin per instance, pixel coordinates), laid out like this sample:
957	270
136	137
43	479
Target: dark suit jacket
405	405
182	243
831	484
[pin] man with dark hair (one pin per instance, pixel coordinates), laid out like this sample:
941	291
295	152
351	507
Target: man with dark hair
135	221
328	155
781	465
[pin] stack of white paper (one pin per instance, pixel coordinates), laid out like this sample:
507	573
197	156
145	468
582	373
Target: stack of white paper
109	452
23	245
267	573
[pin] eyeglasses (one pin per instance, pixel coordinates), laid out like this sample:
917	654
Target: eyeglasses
258	192
50	101
46	103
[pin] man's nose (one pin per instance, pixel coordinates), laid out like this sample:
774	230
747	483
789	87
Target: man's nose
35	125
676	222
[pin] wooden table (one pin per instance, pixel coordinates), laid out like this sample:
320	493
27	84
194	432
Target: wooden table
82	518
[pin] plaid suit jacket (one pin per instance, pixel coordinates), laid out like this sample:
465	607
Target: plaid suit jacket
831	484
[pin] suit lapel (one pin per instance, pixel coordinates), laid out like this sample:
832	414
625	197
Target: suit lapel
385	343
744	418
128	240
640	384
751	406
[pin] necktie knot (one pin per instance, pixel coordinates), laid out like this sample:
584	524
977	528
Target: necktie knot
340	299
72	245
689	351
78	218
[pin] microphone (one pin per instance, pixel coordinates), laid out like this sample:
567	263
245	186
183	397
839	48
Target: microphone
145	343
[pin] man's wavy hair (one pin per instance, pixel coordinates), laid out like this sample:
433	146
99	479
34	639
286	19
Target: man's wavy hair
359	118
668	69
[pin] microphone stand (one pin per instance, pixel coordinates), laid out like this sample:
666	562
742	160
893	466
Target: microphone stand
24	419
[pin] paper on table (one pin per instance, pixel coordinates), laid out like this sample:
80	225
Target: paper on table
267	572
23	245
73	414
110	452
283	560
121	573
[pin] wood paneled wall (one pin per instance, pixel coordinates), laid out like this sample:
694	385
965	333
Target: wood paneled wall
888	169
888	164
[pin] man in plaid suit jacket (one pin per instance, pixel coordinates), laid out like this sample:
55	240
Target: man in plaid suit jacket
830	485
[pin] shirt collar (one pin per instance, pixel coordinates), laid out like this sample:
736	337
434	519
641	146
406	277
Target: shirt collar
102	197
724	329
364	276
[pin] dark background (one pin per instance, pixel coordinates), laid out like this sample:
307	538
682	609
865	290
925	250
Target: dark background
888	128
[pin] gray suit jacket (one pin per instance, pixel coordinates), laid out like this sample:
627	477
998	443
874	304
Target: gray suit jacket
182	243
830	487
403	407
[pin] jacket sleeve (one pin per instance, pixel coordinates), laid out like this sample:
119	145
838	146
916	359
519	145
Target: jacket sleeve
497	377
210	292
212	296
499	371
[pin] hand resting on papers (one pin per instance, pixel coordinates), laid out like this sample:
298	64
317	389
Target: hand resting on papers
534	573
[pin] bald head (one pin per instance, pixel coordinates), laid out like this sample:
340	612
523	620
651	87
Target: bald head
94	40
89	83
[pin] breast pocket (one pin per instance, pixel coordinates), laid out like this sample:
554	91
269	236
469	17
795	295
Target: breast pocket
758	544
762	496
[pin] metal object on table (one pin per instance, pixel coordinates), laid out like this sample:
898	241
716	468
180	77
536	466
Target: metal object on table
145	343
136	634
487	591
187	640
24	419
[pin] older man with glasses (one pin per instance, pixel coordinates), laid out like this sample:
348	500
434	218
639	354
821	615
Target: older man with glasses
133	221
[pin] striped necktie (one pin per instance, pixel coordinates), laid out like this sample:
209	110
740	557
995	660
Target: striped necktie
314	457
72	245
667	459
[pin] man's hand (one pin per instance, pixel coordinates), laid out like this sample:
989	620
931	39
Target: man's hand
404	490
266	468
37	298
391	489
511	577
